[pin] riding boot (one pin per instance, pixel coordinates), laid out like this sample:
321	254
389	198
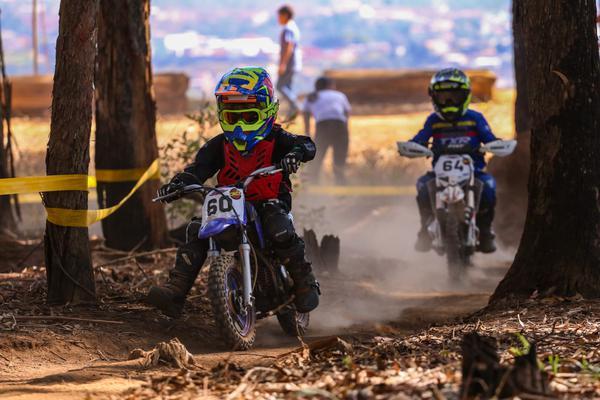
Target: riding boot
306	287
170	297
487	242
423	243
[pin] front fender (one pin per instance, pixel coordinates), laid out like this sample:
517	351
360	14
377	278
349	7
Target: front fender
451	194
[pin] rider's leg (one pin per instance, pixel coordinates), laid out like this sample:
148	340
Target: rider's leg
423	243
279	230
485	215
170	297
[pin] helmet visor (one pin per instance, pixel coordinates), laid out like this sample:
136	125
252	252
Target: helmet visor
450	98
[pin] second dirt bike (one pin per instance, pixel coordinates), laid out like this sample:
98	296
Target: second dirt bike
246	280
455	194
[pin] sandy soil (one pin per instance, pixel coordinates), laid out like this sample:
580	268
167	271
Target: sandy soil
382	286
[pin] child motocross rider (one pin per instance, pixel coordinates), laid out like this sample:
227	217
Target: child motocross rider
251	140
453	123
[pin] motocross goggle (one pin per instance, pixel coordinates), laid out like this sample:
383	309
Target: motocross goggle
450	98
249	119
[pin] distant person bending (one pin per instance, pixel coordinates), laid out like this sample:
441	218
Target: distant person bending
290	60
330	109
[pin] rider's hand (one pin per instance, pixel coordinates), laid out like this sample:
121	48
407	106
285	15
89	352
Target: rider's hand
290	163
177	183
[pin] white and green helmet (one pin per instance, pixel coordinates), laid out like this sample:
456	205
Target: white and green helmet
450	91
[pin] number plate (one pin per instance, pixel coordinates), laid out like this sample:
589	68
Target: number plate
226	207
454	167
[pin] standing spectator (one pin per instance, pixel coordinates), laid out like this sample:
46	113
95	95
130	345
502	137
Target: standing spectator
290	60
330	109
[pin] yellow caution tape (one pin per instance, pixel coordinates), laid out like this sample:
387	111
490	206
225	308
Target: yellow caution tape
85	218
52	183
123	175
362	191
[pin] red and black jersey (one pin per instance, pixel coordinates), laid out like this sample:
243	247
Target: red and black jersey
218	156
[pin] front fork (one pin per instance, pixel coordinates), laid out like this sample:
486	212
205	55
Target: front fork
245	250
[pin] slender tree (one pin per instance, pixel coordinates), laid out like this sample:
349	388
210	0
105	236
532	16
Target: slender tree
125	119
67	250
7	220
559	253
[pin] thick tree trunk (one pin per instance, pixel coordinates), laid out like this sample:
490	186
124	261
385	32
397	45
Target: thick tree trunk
512	172
125	120
67	250
522	114
559	252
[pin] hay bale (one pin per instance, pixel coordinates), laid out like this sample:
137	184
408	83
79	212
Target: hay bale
389	91
32	95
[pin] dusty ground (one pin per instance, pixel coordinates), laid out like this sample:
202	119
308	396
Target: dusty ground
383	292
375	292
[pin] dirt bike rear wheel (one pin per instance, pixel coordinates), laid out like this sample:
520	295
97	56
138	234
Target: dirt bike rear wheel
456	259
293	323
225	288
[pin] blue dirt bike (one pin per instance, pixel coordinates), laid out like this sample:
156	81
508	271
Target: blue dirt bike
246	280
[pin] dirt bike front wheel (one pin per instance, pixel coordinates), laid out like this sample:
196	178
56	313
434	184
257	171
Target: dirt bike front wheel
236	326
293	323
456	258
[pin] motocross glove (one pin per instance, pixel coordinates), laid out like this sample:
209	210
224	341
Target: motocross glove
290	163
177	183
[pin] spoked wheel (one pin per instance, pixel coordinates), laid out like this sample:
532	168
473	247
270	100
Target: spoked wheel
236	325
293	322
456	256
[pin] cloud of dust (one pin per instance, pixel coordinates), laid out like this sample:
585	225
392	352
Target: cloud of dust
381	273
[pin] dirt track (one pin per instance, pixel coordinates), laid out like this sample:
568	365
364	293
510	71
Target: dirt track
391	290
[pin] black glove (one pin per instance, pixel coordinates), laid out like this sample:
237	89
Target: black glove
290	163
177	183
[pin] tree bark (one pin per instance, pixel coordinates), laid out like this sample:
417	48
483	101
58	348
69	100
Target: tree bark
67	250
125	123
512	172
522	114
559	253
7	220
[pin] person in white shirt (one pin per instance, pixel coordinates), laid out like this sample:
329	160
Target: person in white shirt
290	60
330	110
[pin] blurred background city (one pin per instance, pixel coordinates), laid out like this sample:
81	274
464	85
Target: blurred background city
204	38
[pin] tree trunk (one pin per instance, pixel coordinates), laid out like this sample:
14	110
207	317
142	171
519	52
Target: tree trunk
522	114
67	250
559	253
7	220
125	120
512	172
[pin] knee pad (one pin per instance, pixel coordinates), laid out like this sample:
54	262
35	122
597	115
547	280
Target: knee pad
278	225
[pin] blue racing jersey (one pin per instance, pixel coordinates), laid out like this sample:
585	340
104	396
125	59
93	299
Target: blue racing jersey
471	128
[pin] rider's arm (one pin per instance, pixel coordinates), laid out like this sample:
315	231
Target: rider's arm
209	159
425	134
483	129
286	142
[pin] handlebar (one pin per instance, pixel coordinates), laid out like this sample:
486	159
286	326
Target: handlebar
242	184
456	149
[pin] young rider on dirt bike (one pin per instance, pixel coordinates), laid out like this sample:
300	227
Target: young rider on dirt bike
453	123
251	140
